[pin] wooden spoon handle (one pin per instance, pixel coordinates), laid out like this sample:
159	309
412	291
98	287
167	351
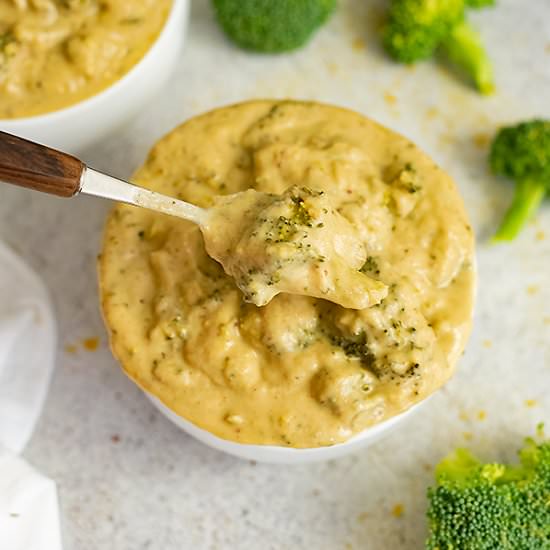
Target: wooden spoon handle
38	167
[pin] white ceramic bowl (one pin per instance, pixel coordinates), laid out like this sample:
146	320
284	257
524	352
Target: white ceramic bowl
282	455
75	127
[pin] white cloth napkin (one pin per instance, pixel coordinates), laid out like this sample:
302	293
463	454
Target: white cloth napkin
28	500
29	517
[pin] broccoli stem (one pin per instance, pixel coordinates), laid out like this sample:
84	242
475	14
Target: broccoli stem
528	196
464	49
457	466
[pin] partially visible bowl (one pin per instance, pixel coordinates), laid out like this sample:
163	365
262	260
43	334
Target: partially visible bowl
273	454
75	127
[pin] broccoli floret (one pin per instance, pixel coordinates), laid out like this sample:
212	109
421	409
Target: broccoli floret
479	3
417	28
272	26
522	153
5	39
477	506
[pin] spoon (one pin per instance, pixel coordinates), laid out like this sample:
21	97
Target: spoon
34	166
294	242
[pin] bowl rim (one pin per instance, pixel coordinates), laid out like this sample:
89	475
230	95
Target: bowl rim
178	7
229	446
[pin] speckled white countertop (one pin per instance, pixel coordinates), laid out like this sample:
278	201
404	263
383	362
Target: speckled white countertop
128	479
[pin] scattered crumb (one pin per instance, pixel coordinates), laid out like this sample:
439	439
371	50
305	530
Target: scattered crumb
447	138
90	344
547	48
481	415
349	546
115	438
481	140
540	236
546	320
14	515
427	467
431	113
70	348
467	435
358	44
389	98
397	510
463	416
532	289
332	67
362	517
487	344
530	403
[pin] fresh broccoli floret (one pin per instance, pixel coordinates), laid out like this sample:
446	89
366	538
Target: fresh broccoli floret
272	26
477	506
417	28
522	153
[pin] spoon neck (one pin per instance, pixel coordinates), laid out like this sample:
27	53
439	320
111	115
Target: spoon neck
98	184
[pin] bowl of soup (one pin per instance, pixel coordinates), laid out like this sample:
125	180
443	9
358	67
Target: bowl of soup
300	378
71	72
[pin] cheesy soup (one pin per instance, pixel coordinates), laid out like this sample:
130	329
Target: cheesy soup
54	53
299	371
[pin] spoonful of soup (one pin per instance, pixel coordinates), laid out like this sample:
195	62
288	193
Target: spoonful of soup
295	242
